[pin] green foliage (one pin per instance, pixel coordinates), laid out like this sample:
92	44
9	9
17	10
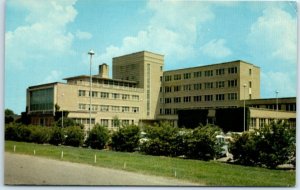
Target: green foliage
9	116
39	134
201	143
67	122
97	137
269	146
74	136
198	143
116	122
57	136
11	132
126	138
162	140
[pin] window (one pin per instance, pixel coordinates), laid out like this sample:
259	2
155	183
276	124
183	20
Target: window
168	100
177	99
232	96
197	98
220	71
250	84
187	87
208	98
94	94
115	96
232	83
177	88
168	78
104	95
82	106
250	72
135	109
81	93
168	89
262	122
232	70
135	97
220	97
115	108
104	122
177	77
125	122
187	99
94	107
186	75
197	86
252	122
197	74
125	96
125	109
168	111
220	84
104	108
208	73
161	68
208	85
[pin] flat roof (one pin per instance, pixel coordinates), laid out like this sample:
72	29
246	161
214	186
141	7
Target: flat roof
98	77
213	64
138	53
43	85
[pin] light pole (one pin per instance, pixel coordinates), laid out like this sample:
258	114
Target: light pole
276	100
62	113
91	53
244	108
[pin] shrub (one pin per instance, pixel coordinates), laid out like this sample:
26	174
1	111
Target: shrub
202	143
11	132
163	139
57	136
39	134
269	146
126	138
97	137
74	136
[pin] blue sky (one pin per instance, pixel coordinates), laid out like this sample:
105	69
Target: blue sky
46	41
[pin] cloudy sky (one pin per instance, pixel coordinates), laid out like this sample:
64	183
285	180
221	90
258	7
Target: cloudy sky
48	40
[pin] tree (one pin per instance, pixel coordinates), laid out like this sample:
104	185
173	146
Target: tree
97	137
202	143
126	139
57	136
9	116
68	122
74	136
269	146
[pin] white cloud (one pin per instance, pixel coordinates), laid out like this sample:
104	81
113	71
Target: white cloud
283	82
83	35
274	35
53	76
44	32
172	30
216	48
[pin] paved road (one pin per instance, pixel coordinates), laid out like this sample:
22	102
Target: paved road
28	170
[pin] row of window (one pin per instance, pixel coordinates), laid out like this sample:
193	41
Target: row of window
199	98
107	108
105	122
106	95
207	73
198	86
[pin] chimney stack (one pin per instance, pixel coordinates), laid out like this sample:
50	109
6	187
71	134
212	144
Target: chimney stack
103	70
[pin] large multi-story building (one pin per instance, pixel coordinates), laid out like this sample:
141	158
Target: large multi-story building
140	91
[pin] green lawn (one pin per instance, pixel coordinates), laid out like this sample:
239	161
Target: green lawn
209	173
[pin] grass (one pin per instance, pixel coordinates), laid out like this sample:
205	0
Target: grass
210	173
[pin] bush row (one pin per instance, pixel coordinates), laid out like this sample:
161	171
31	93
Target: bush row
71	136
270	146
165	140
